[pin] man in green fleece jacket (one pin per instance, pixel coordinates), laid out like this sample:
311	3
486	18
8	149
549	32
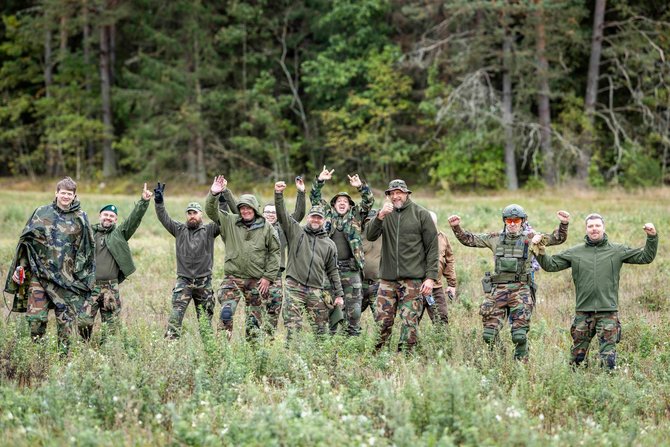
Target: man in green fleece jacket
114	262
596	265
311	261
409	263
252	258
194	247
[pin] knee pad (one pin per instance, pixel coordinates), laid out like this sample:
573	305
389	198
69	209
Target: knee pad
226	313
489	335
519	337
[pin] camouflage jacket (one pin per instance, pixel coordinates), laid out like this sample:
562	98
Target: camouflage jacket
494	239
350	224
57	246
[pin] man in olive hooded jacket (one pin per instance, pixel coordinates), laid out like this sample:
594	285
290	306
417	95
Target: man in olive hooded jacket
311	262
114	262
596	266
409	263
252	258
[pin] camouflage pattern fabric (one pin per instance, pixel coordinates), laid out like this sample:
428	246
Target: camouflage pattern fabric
585	326
70	309
186	289
401	297
438	312
369	291
231	291
273	303
351	285
58	247
516	300
310	300
106	299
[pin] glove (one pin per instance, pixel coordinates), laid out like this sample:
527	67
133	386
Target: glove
158	192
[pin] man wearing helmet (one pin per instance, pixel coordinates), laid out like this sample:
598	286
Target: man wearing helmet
343	223
509	289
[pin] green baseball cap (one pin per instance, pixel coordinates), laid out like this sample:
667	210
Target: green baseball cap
193	206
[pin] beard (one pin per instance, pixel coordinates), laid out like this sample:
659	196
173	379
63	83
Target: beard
193	223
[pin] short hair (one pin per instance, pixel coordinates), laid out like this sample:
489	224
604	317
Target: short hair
593	216
67	184
266	205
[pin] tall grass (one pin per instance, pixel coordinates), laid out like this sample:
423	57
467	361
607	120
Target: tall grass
139	389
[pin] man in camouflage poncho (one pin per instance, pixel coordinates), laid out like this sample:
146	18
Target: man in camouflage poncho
510	290
56	252
343	224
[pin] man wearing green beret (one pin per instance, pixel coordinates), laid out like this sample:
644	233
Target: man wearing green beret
114	262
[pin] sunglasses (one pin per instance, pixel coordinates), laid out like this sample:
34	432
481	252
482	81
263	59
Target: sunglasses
513	220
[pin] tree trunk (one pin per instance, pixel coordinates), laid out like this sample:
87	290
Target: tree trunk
90	146
108	156
544	110
48	82
508	118
584	161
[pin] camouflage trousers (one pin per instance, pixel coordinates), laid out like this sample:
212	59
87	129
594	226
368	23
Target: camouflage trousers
351	286
438	312
186	289
369	292
403	297
303	299
71	310
514	300
585	326
273	304
231	291
106	299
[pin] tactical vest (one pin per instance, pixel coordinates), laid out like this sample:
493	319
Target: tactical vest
510	260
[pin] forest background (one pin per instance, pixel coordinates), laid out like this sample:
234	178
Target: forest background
461	95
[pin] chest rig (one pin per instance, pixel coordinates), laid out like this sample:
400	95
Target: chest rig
510	258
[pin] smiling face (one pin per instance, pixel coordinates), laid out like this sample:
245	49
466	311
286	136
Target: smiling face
397	198
247	213
315	221
270	214
64	198
108	218
595	229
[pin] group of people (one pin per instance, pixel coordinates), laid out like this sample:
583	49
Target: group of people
345	258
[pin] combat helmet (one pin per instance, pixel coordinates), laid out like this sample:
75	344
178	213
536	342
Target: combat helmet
513	210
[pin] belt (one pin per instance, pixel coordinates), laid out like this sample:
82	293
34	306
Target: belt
371	281
106	281
509	278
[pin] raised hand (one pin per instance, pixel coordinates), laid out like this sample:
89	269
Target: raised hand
146	194
300	183
649	229
280	186
158	192
563	216
219	185
386	209
326	174
454	220
355	181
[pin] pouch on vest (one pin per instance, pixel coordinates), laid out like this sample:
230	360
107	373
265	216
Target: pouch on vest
508	265
486	283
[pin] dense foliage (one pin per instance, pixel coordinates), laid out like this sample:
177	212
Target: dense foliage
460	93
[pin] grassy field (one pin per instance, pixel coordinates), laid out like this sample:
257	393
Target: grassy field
139	389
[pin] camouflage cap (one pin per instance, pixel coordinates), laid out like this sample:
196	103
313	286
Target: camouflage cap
317	210
397	184
111	208
342	194
193	206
